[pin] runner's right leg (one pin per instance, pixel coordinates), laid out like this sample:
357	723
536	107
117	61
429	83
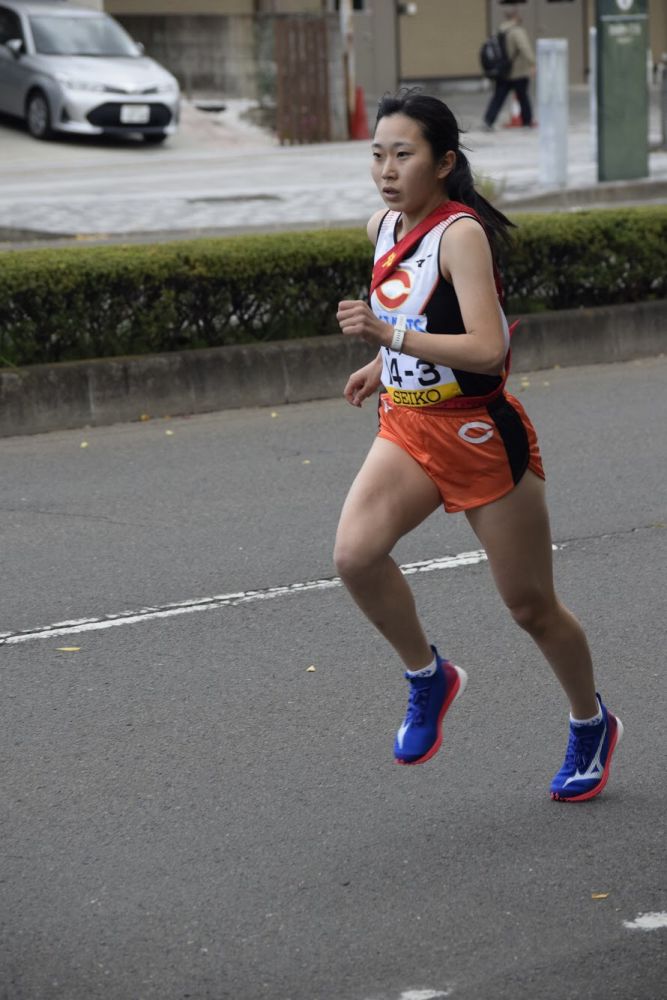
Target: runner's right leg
390	496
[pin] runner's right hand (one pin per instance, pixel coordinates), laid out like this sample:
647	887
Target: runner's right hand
363	383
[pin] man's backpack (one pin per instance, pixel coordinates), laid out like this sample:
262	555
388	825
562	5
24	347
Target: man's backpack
493	57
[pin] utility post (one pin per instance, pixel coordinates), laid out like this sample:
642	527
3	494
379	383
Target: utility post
593	90
552	110
347	37
622	89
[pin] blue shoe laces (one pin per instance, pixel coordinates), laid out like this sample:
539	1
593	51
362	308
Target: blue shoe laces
418	700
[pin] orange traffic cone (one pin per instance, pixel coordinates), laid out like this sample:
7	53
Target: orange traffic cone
359	120
516	121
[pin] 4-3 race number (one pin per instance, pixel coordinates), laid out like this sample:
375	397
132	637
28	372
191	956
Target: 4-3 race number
429	374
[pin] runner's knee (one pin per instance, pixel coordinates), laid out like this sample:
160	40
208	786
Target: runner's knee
534	613
352	558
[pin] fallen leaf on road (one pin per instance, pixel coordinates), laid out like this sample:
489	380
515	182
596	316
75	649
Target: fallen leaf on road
68	649
599	895
310	669
84	444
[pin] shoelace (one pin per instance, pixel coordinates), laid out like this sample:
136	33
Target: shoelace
417	702
582	745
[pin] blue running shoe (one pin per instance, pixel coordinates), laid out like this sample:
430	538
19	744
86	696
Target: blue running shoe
420	735
587	761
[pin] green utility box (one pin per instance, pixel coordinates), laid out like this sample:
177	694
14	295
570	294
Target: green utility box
622	89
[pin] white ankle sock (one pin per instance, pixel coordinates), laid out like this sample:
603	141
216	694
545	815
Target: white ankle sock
587	722
425	671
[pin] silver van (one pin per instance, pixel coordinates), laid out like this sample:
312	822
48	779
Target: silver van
65	68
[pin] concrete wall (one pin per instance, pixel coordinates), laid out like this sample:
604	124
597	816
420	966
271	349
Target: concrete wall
206	53
543	19
80	393
219	7
180	7
231	56
376	51
442	39
658	28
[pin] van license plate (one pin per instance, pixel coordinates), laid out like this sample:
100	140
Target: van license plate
135	114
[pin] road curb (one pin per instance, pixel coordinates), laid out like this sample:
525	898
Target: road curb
609	194
104	391
618	194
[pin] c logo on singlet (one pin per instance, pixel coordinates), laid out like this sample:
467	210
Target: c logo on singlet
393	292
476	432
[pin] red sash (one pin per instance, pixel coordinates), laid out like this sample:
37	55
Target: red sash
389	261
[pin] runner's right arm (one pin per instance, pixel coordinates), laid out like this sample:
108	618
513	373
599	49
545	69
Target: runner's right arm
364	382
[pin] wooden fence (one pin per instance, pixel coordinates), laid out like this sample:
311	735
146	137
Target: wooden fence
302	80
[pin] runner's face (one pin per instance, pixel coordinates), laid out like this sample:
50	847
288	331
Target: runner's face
403	167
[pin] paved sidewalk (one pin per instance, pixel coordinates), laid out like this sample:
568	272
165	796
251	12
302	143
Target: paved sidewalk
222	175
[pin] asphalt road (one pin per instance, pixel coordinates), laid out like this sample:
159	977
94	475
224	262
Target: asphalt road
189	812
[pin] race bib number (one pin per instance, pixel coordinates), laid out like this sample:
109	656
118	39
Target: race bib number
415	382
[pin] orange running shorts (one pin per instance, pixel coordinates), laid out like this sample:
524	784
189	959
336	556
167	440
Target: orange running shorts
473	455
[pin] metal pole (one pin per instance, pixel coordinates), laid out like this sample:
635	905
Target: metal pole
347	36
552	113
593	90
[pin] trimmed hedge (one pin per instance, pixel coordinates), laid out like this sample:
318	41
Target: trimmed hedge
58	305
582	259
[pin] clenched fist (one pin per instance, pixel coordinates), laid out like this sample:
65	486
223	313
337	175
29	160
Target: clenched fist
357	319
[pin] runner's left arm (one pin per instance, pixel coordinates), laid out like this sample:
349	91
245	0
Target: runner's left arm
465	260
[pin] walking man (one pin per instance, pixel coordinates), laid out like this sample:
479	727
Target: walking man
522	58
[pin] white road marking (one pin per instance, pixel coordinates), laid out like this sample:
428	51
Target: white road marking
424	994
79	625
647	922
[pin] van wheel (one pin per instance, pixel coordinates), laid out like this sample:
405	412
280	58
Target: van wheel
38	115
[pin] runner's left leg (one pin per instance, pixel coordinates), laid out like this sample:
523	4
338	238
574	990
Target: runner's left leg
516	537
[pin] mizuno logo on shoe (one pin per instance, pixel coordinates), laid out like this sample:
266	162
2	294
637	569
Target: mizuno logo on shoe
594	769
400	735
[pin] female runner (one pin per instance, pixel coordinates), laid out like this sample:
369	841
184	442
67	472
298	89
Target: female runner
450	434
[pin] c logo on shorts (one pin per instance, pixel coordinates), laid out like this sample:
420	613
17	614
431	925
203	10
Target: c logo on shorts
476	432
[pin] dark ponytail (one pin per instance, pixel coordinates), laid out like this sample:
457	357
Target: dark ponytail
441	131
